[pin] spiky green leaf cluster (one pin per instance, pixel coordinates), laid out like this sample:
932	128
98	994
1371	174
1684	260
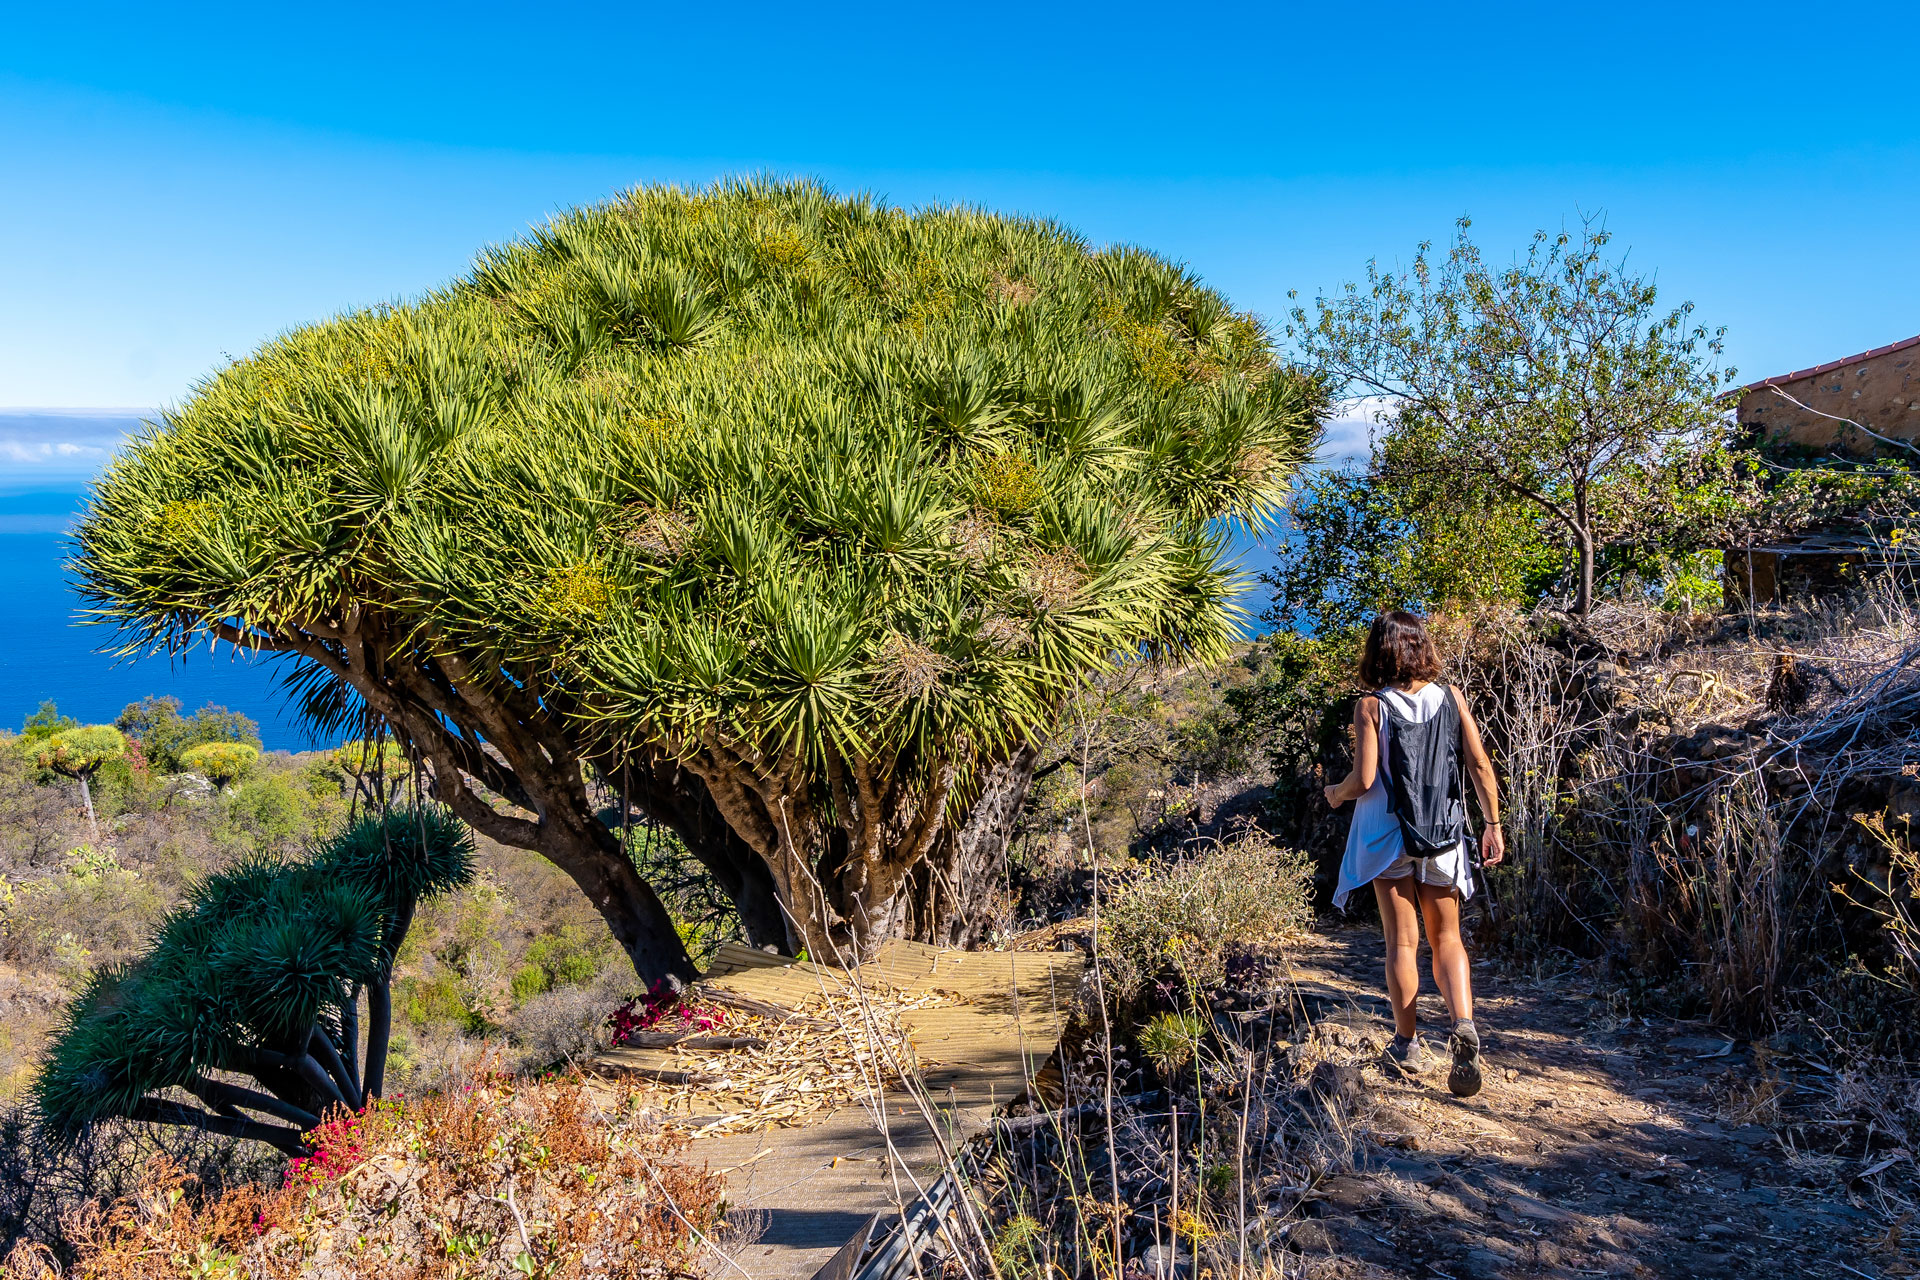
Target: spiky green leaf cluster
220	761
77	752
256	956
797	469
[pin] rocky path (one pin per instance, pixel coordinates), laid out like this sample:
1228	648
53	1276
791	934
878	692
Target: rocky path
1602	1145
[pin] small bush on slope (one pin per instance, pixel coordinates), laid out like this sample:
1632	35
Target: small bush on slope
497	1178
1187	916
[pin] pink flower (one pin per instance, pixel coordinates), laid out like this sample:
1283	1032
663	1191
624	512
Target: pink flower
661	1005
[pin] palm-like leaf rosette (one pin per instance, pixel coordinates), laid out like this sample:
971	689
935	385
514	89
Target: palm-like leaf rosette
258	975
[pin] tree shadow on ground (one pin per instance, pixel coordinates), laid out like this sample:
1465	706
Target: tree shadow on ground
1600	1145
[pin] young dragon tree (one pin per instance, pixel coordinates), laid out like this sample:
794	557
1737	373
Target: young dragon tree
243	1018
79	753
787	521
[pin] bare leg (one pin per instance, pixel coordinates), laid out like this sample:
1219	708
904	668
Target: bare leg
1400	922
1440	904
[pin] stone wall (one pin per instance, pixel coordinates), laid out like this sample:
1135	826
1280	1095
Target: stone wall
1880	391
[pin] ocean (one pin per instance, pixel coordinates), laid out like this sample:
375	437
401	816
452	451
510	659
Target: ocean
49	653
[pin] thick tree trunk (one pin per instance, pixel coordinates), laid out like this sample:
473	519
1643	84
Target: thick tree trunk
923	874
633	911
679	799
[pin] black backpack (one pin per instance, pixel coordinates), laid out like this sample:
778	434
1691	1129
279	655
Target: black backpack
1425	788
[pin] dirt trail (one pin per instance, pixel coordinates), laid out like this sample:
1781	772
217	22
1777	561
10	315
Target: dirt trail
1600	1146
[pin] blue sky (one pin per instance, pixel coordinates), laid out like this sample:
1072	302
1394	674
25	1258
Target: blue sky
178	184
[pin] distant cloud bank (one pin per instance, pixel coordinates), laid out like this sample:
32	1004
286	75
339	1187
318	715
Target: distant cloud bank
62	443
1350	430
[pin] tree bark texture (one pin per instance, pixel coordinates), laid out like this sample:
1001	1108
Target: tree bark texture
884	853
956	891
880	850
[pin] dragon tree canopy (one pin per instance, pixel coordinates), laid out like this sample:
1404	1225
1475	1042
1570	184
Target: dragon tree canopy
796	516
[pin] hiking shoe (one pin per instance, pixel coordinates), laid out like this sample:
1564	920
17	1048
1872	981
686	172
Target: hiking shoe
1465	1078
1406	1055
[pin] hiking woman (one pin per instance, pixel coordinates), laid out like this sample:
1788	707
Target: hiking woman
1407	838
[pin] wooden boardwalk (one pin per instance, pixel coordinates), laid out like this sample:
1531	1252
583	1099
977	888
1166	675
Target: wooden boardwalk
814	1185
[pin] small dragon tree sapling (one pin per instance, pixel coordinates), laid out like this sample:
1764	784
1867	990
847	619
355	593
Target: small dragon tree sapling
379	769
79	754
258	976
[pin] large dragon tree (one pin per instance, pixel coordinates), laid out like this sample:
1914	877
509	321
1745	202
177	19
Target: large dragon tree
246	1010
791	519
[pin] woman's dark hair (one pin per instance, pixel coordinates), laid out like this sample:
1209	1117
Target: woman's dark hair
1399	651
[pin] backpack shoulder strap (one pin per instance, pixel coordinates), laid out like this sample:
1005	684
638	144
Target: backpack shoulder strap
1452	710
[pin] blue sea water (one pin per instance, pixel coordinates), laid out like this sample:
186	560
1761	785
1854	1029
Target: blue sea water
46	652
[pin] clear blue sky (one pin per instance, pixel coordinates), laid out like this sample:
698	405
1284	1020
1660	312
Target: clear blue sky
177	186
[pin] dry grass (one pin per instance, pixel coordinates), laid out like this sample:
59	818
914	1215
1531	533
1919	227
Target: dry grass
501	1177
1188	916
1254	1118
1679	788
1250	1120
837	1049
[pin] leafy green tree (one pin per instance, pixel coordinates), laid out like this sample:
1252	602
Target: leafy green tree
45	722
1360	543
784	520
1556	383
165	735
221	762
79	754
1292	710
259	975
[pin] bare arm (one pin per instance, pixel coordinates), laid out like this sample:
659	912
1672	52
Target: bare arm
1493	844
1366	755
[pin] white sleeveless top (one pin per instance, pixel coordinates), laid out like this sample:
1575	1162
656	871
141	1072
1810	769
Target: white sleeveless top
1374	842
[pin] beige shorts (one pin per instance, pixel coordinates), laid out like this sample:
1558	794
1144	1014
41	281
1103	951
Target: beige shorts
1437	871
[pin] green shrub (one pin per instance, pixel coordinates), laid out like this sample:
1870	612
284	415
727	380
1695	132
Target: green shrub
569	958
270	809
123	784
1170	1040
439	1000
529	980
1186	917
1692	583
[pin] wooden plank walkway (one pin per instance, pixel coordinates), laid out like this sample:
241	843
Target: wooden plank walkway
815	1185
